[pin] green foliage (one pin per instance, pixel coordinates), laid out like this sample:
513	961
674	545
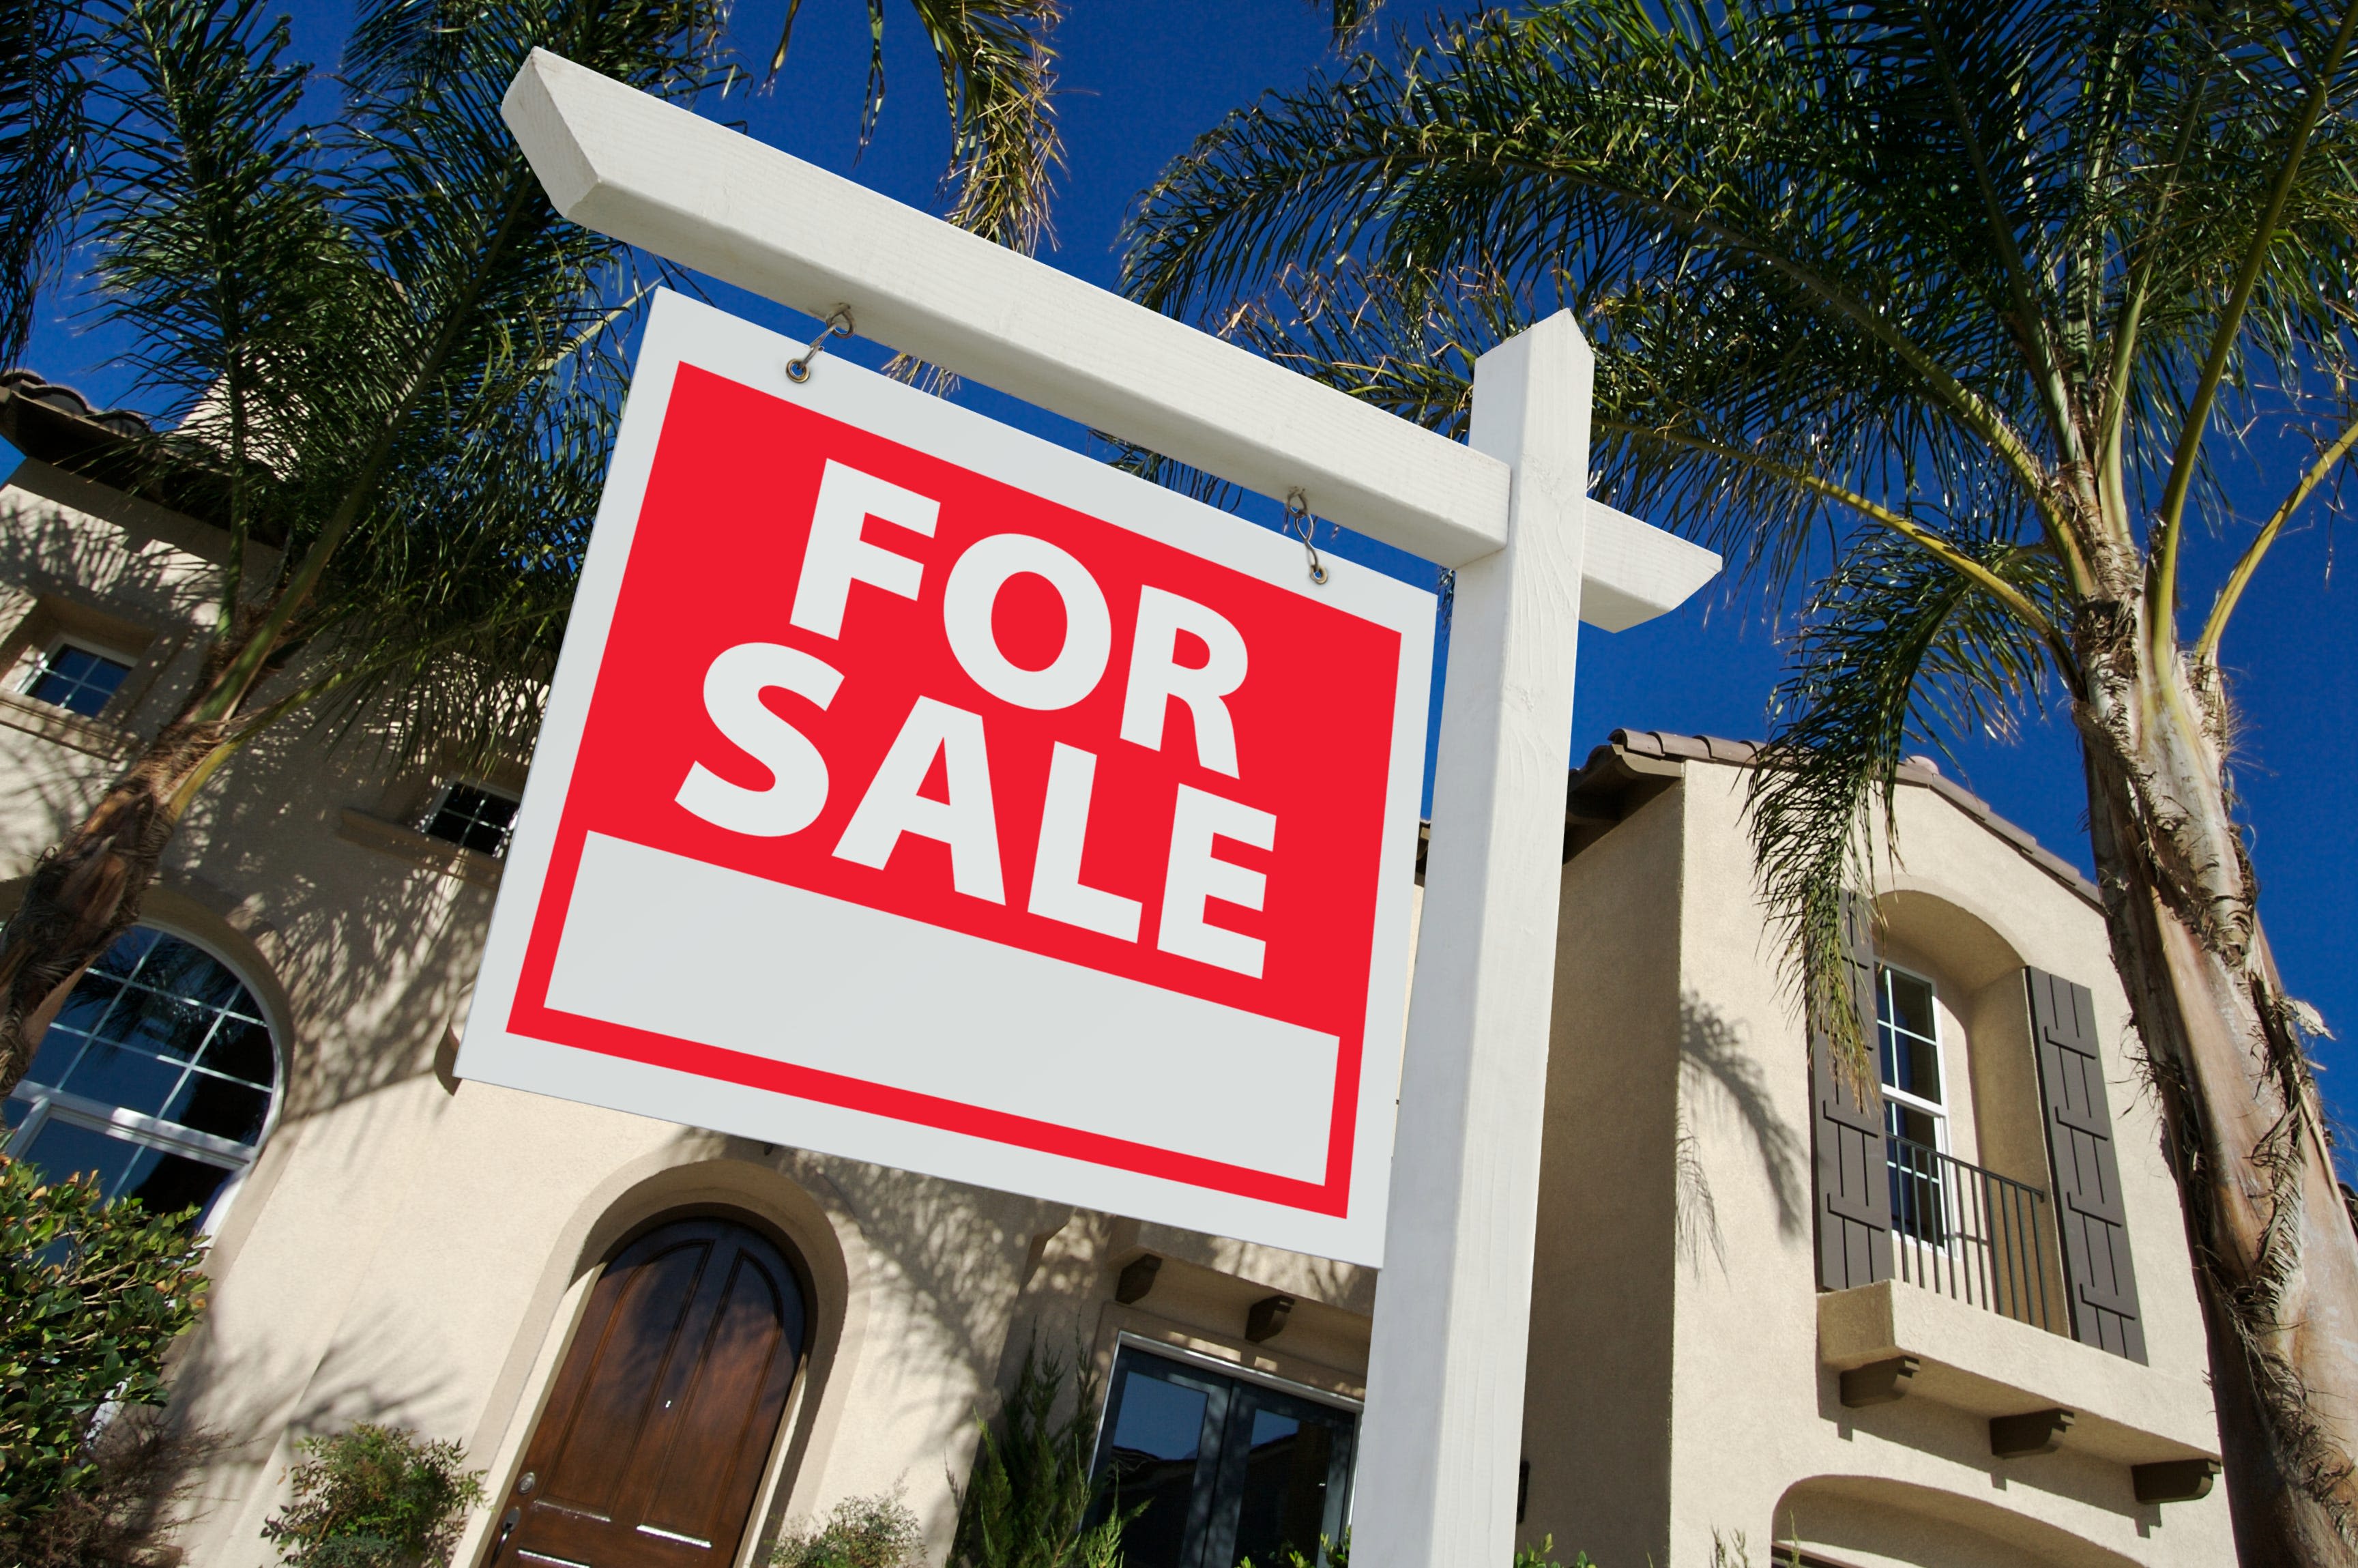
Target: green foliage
42	88
374	1497
91	1296
862	1532
1028	1501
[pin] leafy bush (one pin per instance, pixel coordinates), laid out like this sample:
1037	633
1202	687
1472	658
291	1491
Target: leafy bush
1028	1503
374	1497
862	1532
92	1295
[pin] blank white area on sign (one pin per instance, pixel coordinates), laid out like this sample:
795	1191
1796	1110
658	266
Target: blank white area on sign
677	946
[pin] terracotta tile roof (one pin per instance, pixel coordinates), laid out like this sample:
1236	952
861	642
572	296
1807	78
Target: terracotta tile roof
1919	772
30	385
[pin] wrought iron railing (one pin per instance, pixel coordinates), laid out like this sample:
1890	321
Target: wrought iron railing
1973	1235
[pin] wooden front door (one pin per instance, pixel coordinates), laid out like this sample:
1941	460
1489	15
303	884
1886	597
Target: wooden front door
664	1411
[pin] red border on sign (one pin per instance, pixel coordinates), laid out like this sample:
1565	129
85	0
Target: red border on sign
786	445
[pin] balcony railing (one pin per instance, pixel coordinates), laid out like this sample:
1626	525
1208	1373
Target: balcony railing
1973	1235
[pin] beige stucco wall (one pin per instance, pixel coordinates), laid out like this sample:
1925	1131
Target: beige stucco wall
1690	1091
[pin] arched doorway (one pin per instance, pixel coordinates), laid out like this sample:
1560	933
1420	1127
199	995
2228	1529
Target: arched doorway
657	1429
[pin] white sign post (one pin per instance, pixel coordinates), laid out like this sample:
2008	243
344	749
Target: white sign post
1533	555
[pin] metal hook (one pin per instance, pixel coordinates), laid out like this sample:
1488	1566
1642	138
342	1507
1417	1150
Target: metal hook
838	324
1297	516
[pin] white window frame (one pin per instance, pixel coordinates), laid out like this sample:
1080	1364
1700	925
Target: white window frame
441	798
155	1132
39	665
1940	1112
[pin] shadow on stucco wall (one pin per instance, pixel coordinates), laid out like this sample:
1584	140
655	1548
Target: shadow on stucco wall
1720	1070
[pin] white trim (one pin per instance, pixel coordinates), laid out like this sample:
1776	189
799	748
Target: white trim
1211	1363
1939	1112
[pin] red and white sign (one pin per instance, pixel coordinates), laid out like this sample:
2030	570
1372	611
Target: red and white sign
918	791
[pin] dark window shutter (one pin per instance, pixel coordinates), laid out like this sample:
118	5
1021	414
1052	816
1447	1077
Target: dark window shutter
1853	1174
2087	1170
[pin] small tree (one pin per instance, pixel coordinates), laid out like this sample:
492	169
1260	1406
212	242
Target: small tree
375	1497
1028	1500
91	1296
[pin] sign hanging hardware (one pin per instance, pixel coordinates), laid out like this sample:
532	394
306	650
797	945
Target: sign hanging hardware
838	324
1299	522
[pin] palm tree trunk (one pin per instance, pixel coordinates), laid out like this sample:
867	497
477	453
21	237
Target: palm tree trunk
2274	1252
87	889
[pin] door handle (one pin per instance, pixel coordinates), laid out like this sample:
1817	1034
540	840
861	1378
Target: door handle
508	1521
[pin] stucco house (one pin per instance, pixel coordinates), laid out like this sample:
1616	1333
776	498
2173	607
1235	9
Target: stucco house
1947	1320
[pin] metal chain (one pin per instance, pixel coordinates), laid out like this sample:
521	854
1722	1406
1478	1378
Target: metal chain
838	324
1304	526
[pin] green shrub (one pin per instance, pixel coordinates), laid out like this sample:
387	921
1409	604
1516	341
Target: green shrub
862	1532
1028	1502
92	1295
374	1497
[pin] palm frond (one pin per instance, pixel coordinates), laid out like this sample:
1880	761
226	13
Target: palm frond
1895	651
43	85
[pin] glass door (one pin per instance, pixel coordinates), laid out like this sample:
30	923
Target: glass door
1218	1469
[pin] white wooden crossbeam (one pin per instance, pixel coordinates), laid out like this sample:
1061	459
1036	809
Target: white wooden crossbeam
657	176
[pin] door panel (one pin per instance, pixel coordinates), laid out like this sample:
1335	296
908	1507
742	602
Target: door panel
664	1411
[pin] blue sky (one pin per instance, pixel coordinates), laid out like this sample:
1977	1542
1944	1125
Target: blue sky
1142	78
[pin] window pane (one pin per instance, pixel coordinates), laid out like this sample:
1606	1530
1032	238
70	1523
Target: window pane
167	1183
132	1079
1911	1003
242	1049
77	680
55	1059
61	1149
129	949
1285	1489
474	817
163	1024
1157	1439
221	1107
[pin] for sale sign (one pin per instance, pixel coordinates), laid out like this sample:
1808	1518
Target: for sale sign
917	791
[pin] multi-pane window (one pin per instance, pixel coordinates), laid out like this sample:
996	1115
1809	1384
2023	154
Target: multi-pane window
157	1074
471	815
76	679
1216	1469
1915	1101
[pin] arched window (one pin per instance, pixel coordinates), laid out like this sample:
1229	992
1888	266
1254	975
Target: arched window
158	1075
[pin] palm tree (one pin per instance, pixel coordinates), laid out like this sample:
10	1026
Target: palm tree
1949	307
392	370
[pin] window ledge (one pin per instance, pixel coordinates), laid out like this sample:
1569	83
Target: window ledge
407	843
1976	1360
71	729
